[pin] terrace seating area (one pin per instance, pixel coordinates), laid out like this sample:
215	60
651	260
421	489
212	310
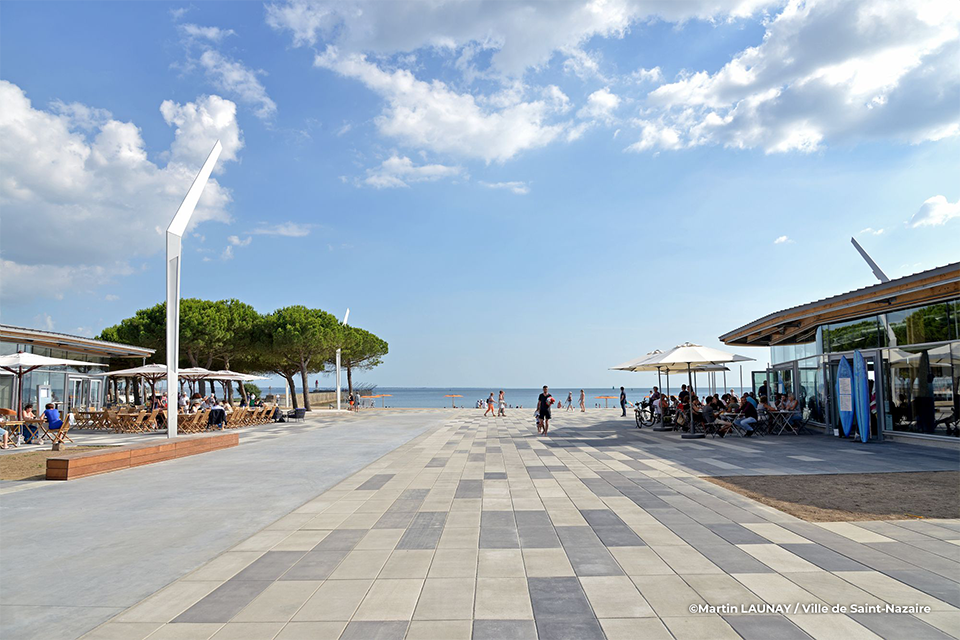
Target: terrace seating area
132	420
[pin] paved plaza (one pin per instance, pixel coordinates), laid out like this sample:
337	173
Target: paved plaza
478	528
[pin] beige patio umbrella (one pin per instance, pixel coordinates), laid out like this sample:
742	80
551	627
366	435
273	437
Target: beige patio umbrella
691	356
20	364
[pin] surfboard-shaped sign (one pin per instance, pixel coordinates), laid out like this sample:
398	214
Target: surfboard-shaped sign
861	395
845	395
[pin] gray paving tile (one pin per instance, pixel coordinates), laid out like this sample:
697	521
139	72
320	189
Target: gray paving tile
224	602
414	494
939	587
618	536
497	519
345	539
504	630
270	565
375	630
736	534
499	538
892	625
558	598
315	565
824	558
764	627
469	489
586	553
920	558
424	531
375	482
494	475
732	559
553	629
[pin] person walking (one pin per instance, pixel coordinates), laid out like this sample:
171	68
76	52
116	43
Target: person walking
490	405
583	401
544	403
623	402
570	401
501	405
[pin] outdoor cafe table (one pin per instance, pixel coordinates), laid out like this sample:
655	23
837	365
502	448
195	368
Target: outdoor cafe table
781	421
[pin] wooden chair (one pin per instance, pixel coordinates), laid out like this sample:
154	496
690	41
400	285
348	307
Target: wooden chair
59	436
130	423
149	423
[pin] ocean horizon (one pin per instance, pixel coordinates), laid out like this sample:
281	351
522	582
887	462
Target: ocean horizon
434	397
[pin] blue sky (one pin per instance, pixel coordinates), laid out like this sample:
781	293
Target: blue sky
508	194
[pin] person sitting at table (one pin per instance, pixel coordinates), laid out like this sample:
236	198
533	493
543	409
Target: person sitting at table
710	411
791	404
29	431
52	417
748	417
6	438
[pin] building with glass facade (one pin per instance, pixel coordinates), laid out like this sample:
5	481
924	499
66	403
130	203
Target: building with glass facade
908	331
67	387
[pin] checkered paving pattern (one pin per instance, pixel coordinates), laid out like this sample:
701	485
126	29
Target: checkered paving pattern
482	529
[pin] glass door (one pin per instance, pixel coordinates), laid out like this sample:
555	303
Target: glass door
95	400
75	397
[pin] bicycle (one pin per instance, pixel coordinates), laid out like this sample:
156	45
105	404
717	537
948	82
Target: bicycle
643	413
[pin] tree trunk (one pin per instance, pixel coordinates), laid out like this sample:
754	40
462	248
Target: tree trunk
350	382
243	392
229	386
137	399
291	390
306	386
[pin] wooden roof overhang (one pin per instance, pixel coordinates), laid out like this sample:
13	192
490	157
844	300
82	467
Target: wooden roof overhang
799	324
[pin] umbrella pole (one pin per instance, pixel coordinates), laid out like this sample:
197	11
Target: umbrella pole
692	434
662	425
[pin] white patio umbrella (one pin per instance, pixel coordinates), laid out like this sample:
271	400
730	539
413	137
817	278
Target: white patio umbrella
20	364
692	356
152	373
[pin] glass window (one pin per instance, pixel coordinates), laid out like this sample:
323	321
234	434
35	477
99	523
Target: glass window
855	334
922	389
918	326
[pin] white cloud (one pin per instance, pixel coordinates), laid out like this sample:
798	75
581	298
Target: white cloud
344	130
61	182
400	172
43	321
600	106
654	76
783	240
430	115
231	76
213	34
199	125
522	33
288	229
179	13
583	64
111	297
871	231
655	135
934	212
827	72
227	253
237	242
517	187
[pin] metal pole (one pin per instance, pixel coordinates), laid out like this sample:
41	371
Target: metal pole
741	379
174	236
692	433
338	379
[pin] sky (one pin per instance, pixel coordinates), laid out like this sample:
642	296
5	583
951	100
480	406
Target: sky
509	193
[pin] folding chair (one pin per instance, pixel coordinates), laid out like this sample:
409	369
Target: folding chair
59	436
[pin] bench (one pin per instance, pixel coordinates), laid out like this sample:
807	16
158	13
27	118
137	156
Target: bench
77	465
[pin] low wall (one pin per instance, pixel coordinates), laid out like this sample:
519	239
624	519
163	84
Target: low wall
77	465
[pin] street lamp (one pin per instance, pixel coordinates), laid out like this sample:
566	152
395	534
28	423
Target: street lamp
174	237
345	316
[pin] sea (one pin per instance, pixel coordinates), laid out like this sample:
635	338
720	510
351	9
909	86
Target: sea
436	397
